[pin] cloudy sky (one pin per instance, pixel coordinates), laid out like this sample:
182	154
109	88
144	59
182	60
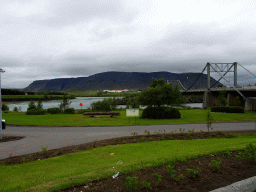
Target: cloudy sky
47	39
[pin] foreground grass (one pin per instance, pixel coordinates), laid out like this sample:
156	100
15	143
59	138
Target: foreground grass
78	168
188	116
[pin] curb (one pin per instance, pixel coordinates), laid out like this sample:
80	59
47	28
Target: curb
247	185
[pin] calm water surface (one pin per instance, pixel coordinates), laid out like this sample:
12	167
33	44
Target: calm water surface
86	101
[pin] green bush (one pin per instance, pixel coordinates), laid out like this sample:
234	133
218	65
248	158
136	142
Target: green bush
83	110
54	110
35	112
5	107
31	106
106	104
250	153
228	109
160	113
70	111
130	183
15	109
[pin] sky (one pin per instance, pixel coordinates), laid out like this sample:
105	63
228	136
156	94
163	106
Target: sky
47	39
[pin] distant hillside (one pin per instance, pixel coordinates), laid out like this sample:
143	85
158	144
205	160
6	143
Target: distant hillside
116	80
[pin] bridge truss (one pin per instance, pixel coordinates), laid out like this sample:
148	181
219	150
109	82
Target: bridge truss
218	67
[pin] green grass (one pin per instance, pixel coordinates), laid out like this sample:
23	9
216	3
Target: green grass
189	116
77	168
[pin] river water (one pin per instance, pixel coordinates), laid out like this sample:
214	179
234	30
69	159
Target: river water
86	101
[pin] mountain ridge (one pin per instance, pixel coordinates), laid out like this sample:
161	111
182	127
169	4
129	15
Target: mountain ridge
116	80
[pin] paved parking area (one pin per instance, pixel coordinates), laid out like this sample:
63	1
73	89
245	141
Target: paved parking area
57	137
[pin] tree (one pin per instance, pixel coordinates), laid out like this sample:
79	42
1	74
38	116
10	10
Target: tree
222	98
235	102
31	105
65	103
39	105
156	82
209	120
159	93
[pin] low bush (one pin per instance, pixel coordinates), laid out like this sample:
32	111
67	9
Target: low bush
106	104
160	113
35	112
54	110
70	111
130	183
83	110
5	107
250	153
228	109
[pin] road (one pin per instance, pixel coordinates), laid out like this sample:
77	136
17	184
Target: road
58	137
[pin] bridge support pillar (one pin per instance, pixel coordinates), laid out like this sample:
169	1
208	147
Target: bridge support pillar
209	99
250	104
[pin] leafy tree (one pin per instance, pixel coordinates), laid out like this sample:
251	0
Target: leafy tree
156	82
65	103
222	98
31	105
5	107
235	102
159	93
39	105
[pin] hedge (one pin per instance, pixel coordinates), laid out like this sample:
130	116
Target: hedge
54	110
160	113
36	112
228	109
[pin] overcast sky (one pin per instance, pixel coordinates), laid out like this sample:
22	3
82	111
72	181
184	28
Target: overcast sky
47	39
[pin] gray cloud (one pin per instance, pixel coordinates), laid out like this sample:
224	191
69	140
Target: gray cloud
43	39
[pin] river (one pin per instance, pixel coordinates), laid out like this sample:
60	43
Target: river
86	101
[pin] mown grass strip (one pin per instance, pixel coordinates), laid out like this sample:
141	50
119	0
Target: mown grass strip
188	116
74	169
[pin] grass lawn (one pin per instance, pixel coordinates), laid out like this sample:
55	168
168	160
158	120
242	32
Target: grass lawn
188	116
77	168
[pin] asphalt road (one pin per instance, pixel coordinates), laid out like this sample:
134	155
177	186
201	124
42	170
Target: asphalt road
58	137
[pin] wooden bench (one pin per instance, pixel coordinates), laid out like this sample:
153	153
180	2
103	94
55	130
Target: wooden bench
102	113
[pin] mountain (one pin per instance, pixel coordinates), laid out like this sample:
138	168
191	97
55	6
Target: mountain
117	80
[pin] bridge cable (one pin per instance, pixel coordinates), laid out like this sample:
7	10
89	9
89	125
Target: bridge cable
196	79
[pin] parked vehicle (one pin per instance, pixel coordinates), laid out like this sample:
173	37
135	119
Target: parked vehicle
3	124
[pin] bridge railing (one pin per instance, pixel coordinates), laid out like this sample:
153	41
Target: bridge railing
221	88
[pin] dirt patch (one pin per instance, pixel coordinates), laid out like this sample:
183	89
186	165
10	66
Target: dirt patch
10	138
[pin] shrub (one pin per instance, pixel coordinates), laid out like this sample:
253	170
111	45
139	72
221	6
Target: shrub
5	107
250	153
106	104
146	185
70	111
35	112
15	109
215	164
31	105
228	109
130	183
157	177
193	172
160	113
83	110
227	154
54	110
171	171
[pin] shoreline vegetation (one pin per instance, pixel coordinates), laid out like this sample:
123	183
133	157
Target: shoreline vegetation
9	98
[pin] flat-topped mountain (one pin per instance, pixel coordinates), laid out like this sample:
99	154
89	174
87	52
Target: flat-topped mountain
117	80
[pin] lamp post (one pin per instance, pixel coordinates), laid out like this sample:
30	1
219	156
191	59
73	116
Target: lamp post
1	71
